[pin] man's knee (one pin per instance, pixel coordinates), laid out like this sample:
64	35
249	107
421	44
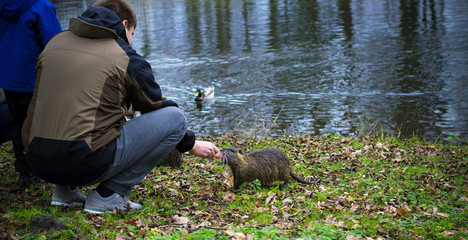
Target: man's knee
176	117
175	113
179	117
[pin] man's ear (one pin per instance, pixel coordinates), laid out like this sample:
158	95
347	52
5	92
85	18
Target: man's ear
125	23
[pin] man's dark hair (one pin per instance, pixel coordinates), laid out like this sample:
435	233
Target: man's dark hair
121	8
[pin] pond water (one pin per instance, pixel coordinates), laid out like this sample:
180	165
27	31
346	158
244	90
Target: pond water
309	66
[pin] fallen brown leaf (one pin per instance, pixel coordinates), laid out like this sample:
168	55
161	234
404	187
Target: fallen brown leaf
229	231
229	196
180	220
271	198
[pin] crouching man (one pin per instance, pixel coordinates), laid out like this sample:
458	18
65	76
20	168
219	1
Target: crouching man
75	132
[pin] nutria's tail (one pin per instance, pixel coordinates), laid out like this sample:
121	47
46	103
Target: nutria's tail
301	180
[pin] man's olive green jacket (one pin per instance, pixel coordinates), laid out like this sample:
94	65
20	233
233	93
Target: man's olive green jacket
86	79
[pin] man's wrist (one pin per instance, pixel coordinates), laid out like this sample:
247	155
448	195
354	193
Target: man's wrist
192	151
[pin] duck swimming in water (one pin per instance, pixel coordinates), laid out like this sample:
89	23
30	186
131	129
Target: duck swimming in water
204	94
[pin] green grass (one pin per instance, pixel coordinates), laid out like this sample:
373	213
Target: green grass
383	187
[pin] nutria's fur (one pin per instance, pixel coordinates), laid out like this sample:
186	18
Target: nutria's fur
267	165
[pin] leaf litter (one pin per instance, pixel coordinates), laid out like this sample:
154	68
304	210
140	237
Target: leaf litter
372	189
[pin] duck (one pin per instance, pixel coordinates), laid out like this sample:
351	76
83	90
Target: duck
204	94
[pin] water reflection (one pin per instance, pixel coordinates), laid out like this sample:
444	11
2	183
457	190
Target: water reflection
295	66
346	17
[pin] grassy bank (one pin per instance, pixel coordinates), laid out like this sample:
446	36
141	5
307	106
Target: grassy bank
373	188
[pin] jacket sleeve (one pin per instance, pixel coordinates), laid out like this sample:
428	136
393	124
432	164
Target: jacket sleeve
142	90
47	22
146	95
187	142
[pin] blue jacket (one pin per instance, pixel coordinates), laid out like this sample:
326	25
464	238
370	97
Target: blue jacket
25	28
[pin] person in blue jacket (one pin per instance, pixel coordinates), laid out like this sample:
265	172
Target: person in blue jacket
25	26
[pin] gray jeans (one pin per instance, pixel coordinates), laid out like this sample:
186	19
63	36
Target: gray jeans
142	144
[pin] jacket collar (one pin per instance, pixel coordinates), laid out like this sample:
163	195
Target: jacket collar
98	22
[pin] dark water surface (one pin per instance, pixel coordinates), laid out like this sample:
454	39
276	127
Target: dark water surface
309	66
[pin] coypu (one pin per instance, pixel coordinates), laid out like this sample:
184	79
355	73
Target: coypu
267	165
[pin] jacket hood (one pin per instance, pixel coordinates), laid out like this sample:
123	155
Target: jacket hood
96	22
12	9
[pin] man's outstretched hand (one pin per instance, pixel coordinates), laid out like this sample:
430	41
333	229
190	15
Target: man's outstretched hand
204	149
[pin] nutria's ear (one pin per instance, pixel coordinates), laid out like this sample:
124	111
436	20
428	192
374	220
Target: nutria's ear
241	152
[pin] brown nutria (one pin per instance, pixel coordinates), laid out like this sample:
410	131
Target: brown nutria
267	165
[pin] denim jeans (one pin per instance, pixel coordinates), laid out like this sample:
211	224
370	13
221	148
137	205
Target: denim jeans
142	144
